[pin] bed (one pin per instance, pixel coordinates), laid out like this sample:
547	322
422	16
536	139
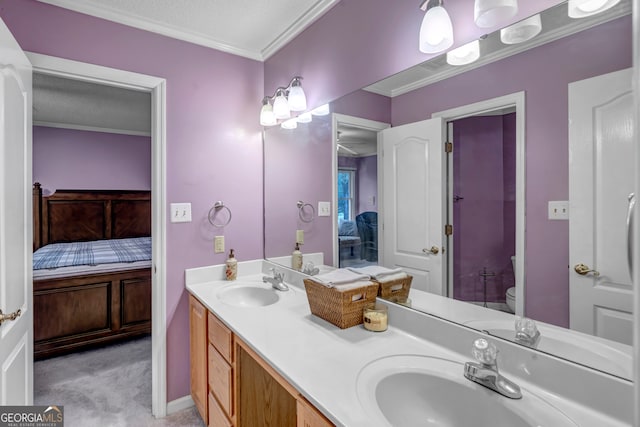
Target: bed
103	299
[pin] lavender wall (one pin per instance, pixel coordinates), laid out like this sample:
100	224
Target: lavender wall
366	181
76	159
484	219
359	42
213	152
543	73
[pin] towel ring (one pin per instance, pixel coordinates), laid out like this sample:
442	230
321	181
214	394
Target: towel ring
301	205
217	207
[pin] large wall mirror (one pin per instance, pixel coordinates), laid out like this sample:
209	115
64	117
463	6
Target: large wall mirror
536	188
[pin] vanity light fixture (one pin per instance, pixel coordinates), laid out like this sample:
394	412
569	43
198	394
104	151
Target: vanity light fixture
322	110
289	124
285	100
521	31
465	54
490	13
304	117
584	8
436	31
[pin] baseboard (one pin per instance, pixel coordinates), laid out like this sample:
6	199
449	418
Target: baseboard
179	404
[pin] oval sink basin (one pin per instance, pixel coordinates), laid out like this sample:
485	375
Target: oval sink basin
416	390
250	295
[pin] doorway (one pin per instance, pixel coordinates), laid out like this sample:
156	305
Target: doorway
157	87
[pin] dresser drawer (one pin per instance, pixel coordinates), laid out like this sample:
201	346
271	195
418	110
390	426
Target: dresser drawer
217	417
221	380
220	337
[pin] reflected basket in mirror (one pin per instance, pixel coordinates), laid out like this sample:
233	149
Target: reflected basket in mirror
395	290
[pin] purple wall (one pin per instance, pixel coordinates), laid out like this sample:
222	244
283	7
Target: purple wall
543	73
366	181
359	42
76	159
484	219
214	152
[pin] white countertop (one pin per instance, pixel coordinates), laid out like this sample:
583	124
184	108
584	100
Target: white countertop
322	361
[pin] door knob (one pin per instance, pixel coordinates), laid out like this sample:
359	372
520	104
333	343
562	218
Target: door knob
10	316
583	270
434	250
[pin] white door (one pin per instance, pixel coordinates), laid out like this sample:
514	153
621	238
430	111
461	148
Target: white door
16	234
413	227
601	173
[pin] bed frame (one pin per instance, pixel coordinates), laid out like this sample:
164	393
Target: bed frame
75	312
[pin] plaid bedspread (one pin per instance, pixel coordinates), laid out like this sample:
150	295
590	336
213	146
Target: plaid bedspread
92	253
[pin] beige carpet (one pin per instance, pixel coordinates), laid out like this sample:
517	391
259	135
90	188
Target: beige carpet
109	386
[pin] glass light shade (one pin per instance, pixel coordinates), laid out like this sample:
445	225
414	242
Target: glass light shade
583	8
297	99
522	31
490	13
322	110
436	31
281	106
289	124
304	118
465	54
267	118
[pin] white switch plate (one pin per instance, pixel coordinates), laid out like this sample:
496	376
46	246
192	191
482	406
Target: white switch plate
559	210
324	208
180	212
300	236
218	244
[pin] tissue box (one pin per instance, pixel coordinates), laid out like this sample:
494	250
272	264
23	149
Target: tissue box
343	309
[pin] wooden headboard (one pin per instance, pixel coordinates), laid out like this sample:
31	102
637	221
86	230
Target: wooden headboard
84	215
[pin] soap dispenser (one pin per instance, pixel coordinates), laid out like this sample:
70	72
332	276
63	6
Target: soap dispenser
296	258
231	270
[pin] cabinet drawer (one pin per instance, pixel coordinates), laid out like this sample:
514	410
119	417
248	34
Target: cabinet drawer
221	337
217	417
221	380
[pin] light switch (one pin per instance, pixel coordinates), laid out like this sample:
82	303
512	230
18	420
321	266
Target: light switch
300	236
218	244
324	208
559	210
180	212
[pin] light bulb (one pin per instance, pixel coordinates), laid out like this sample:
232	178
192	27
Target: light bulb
281	106
289	124
465	54
521	31
490	13
436	31
584	8
267	118
297	98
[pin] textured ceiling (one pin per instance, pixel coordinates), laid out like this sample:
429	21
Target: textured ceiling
252	28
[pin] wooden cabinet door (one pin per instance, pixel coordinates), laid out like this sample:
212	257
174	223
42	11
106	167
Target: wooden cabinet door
308	416
198	348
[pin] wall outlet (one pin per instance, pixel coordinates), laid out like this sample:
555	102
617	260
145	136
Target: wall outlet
300	237
324	208
218	244
180	212
559	210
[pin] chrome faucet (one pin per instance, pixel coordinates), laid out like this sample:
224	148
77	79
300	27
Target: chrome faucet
527	332
486	372
276	281
310	269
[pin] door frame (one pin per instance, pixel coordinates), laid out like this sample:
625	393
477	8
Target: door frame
336	120
516	100
81	71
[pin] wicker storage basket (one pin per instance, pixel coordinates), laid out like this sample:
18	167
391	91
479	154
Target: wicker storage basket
338	307
394	289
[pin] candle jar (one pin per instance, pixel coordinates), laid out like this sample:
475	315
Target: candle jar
375	317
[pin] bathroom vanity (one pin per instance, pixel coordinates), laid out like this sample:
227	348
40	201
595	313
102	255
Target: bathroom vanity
258	352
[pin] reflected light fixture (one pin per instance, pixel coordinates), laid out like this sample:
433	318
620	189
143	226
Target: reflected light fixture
289	124
285	100
304	118
521	31
465	54
322	110
490	13
436	31
584	8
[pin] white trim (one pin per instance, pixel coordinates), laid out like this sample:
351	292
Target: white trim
352	121
165	29
89	128
180	404
157	86
517	99
636	241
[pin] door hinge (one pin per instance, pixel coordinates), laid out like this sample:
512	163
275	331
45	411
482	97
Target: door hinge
448	230
448	147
